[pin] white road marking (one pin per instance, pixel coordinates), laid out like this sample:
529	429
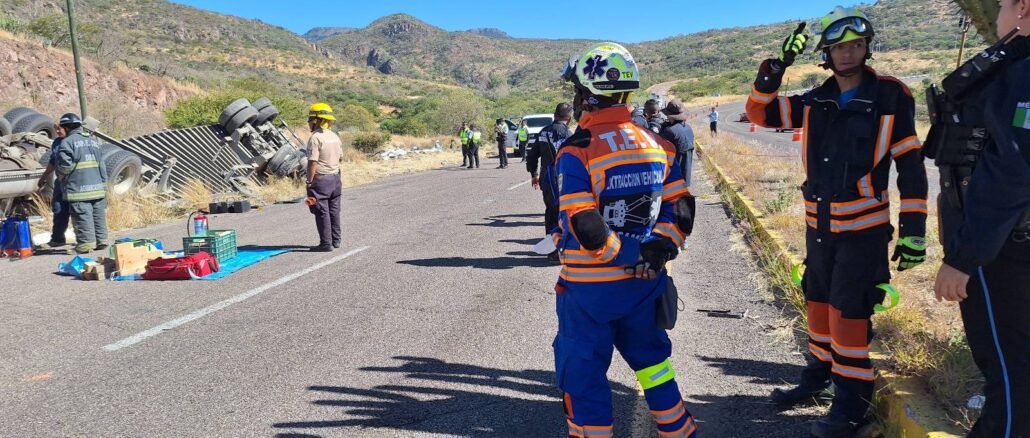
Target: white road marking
141	336
519	185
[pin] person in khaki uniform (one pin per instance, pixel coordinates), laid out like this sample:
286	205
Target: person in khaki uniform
324	185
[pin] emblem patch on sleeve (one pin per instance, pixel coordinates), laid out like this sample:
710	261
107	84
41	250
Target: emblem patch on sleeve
1022	119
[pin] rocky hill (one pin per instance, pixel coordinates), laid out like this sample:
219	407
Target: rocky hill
488	60
127	102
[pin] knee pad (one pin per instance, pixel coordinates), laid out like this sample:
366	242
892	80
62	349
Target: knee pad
591	229
684	209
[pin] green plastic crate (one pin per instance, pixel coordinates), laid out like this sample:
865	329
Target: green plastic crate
219	243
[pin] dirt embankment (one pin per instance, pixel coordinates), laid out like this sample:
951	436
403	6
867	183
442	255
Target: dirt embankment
127	102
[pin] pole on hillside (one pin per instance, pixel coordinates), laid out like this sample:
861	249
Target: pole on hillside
75	56
964	24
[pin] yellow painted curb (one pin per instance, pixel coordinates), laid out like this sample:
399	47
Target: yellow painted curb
901	402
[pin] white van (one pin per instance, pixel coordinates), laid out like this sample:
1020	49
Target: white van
536	123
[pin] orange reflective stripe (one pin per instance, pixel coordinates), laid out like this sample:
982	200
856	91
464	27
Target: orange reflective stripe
611	248
804	139
785	112
670	415
820	353
673	191
852	352
866	374
862	223
859	205
671	231
865	186
577	201
905	146
687	430
914	206
760	97
588	431
594	275
883	139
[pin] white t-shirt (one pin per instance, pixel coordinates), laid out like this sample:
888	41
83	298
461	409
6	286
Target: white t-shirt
713	116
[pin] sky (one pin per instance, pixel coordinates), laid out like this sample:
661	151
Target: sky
593	19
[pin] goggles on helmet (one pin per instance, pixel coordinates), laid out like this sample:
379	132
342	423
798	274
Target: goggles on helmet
835	32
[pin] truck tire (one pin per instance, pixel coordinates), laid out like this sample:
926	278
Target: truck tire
5	127
16	114
247	115
266	114
124	171
262	103
230	111
36	123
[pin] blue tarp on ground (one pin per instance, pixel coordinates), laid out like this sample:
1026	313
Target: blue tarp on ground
244	258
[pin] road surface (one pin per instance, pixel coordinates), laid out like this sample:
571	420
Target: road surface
434	319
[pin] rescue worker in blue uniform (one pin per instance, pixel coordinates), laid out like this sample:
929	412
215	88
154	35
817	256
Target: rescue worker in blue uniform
855	124
981	142
624	209
542	155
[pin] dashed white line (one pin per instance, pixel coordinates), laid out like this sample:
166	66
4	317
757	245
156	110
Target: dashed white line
519	185
141	336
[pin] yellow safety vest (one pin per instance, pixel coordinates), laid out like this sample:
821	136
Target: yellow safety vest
523	134
464	136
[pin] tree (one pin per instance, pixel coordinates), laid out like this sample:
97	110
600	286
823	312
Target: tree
984	14
352	116
54	30
453	108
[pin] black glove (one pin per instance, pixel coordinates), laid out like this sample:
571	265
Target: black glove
656	253
794	45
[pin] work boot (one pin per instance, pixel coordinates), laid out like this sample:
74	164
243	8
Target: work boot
833	426
102	246
788	398
55	244
322	248
336	245
85	248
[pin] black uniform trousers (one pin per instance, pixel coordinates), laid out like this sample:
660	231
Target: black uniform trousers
550	207
465	157
502	153
840	289
473	155
326	189
997	321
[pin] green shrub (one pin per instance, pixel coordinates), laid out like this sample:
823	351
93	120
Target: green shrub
370	142
355	117
204	109
405	126
11	24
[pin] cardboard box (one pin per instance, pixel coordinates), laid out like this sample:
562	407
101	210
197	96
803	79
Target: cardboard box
131	258
102	269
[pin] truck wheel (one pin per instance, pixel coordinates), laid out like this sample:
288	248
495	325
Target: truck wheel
124	170
230	111
36	123
16	114
266	114
262	103
247	115
5	127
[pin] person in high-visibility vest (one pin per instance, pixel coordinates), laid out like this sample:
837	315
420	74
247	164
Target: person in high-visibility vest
464	136
624	210
475	140
857	125
523	139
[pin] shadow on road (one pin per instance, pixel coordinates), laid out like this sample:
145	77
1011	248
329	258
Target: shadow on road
453	399
530	242
483	263
502	222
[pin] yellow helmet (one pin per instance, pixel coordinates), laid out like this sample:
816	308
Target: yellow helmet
844	25
321	110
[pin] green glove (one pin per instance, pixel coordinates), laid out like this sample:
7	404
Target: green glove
892	293
794	45
911	251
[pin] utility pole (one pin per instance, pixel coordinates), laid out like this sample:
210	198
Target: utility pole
963	23
75	56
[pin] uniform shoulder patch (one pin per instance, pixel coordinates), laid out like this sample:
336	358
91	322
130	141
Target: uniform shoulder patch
1022	117
580	139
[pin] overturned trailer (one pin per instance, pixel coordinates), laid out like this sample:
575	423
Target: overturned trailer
249	143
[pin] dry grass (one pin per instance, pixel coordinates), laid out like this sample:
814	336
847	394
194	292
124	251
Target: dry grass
923	338
356	173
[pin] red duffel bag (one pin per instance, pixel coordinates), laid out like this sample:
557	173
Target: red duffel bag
191	267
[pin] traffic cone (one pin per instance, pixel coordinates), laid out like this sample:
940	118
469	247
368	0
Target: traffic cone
754	127
797	134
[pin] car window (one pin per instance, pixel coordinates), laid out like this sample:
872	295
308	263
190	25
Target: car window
537	122
511	125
